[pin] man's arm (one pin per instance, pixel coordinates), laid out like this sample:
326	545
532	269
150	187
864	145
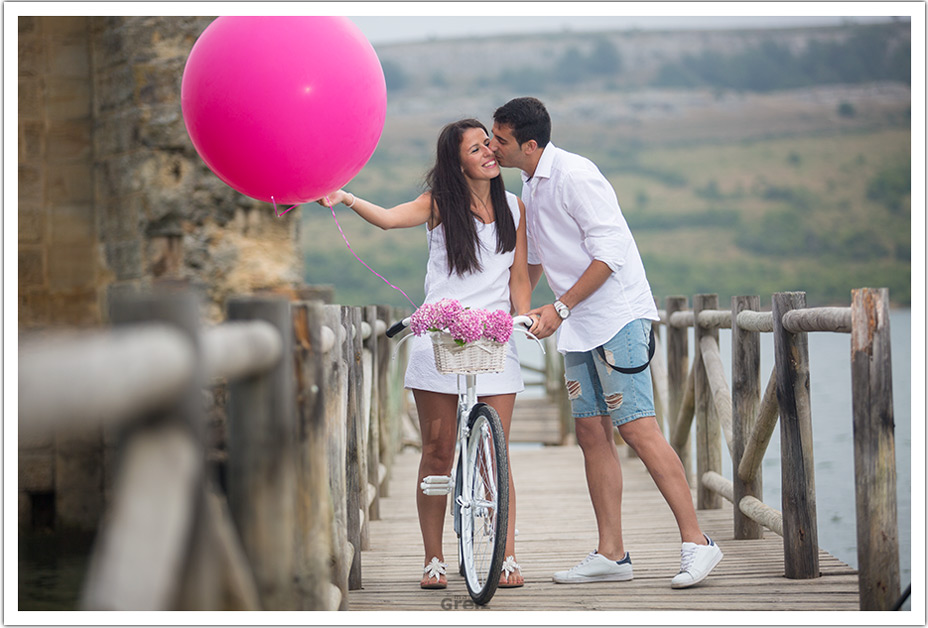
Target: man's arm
590	281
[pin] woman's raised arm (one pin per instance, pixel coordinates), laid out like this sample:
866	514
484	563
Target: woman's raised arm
411	214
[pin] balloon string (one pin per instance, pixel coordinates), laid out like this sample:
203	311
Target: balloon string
332	207
279	214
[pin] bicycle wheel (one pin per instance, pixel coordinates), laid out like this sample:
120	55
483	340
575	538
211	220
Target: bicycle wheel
485	511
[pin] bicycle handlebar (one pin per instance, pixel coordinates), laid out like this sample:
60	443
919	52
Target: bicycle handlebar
397	327
524	321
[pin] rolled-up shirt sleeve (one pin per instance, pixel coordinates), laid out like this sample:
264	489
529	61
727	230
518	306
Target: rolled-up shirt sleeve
592	203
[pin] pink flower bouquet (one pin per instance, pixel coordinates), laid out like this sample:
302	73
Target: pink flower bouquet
465	325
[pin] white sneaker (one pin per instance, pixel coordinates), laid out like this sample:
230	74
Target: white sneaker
696	561
597	568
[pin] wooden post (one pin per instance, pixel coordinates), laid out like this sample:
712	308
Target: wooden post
335	376
708	435
874	450
677	372
800	531
351	319
263	459
372	349
386	402
314	504
745	391
139	557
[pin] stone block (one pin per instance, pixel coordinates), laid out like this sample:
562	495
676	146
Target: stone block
76	308
31	224
159	83
31	267
116	133
32	140
69	140
70	184
69	59
71	225
118	218
31	98
31	56
114	89
166	257
67	98
34	308
30	184
125	259
65	28
72	266
121	175
164	128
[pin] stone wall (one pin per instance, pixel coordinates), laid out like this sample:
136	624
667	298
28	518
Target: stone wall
113	197
60	269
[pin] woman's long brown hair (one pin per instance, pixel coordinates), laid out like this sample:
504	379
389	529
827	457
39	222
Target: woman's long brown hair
451	199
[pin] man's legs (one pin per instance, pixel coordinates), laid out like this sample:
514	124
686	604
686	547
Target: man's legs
604	481
645	438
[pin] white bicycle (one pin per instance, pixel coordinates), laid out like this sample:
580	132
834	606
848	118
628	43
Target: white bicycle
479	480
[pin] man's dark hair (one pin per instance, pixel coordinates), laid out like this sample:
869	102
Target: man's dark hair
528	119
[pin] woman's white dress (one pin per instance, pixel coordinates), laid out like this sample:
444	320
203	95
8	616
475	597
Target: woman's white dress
487	289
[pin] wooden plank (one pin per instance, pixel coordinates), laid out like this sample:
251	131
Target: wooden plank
557	529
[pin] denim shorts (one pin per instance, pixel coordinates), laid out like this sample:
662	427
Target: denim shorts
596	389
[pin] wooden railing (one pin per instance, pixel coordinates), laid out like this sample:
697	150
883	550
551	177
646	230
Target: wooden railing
747	415
312	428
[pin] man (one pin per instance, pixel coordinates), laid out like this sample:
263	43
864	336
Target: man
579	239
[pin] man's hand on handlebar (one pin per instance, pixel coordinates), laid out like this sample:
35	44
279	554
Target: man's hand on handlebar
547	320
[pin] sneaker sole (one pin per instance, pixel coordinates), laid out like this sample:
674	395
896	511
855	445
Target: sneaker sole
603	578
705	575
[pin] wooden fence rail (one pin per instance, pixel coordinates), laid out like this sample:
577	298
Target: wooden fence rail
311	429
747	417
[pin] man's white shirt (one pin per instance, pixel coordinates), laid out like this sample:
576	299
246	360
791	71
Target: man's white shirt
573	217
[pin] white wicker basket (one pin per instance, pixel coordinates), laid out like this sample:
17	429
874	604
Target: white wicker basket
481	356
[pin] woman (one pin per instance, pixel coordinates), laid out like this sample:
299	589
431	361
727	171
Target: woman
477	255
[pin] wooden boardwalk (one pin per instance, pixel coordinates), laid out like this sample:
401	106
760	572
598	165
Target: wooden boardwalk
556	530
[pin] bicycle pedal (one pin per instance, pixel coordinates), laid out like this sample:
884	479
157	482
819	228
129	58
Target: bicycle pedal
437	485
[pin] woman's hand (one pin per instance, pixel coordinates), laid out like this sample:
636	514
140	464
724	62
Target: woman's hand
338	196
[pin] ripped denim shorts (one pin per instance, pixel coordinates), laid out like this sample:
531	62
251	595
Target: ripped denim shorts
596	389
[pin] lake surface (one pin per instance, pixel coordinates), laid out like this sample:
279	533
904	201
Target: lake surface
833	438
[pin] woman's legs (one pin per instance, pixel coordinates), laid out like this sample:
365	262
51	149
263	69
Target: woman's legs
437	413
503	404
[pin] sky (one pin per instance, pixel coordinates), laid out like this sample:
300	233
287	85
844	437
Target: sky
409	28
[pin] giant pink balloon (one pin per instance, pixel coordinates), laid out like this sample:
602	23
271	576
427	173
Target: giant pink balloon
289	108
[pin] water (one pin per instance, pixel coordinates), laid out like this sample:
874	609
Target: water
51	569
833	438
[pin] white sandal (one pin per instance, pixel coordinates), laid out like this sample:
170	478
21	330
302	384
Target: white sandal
510	566
435	569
